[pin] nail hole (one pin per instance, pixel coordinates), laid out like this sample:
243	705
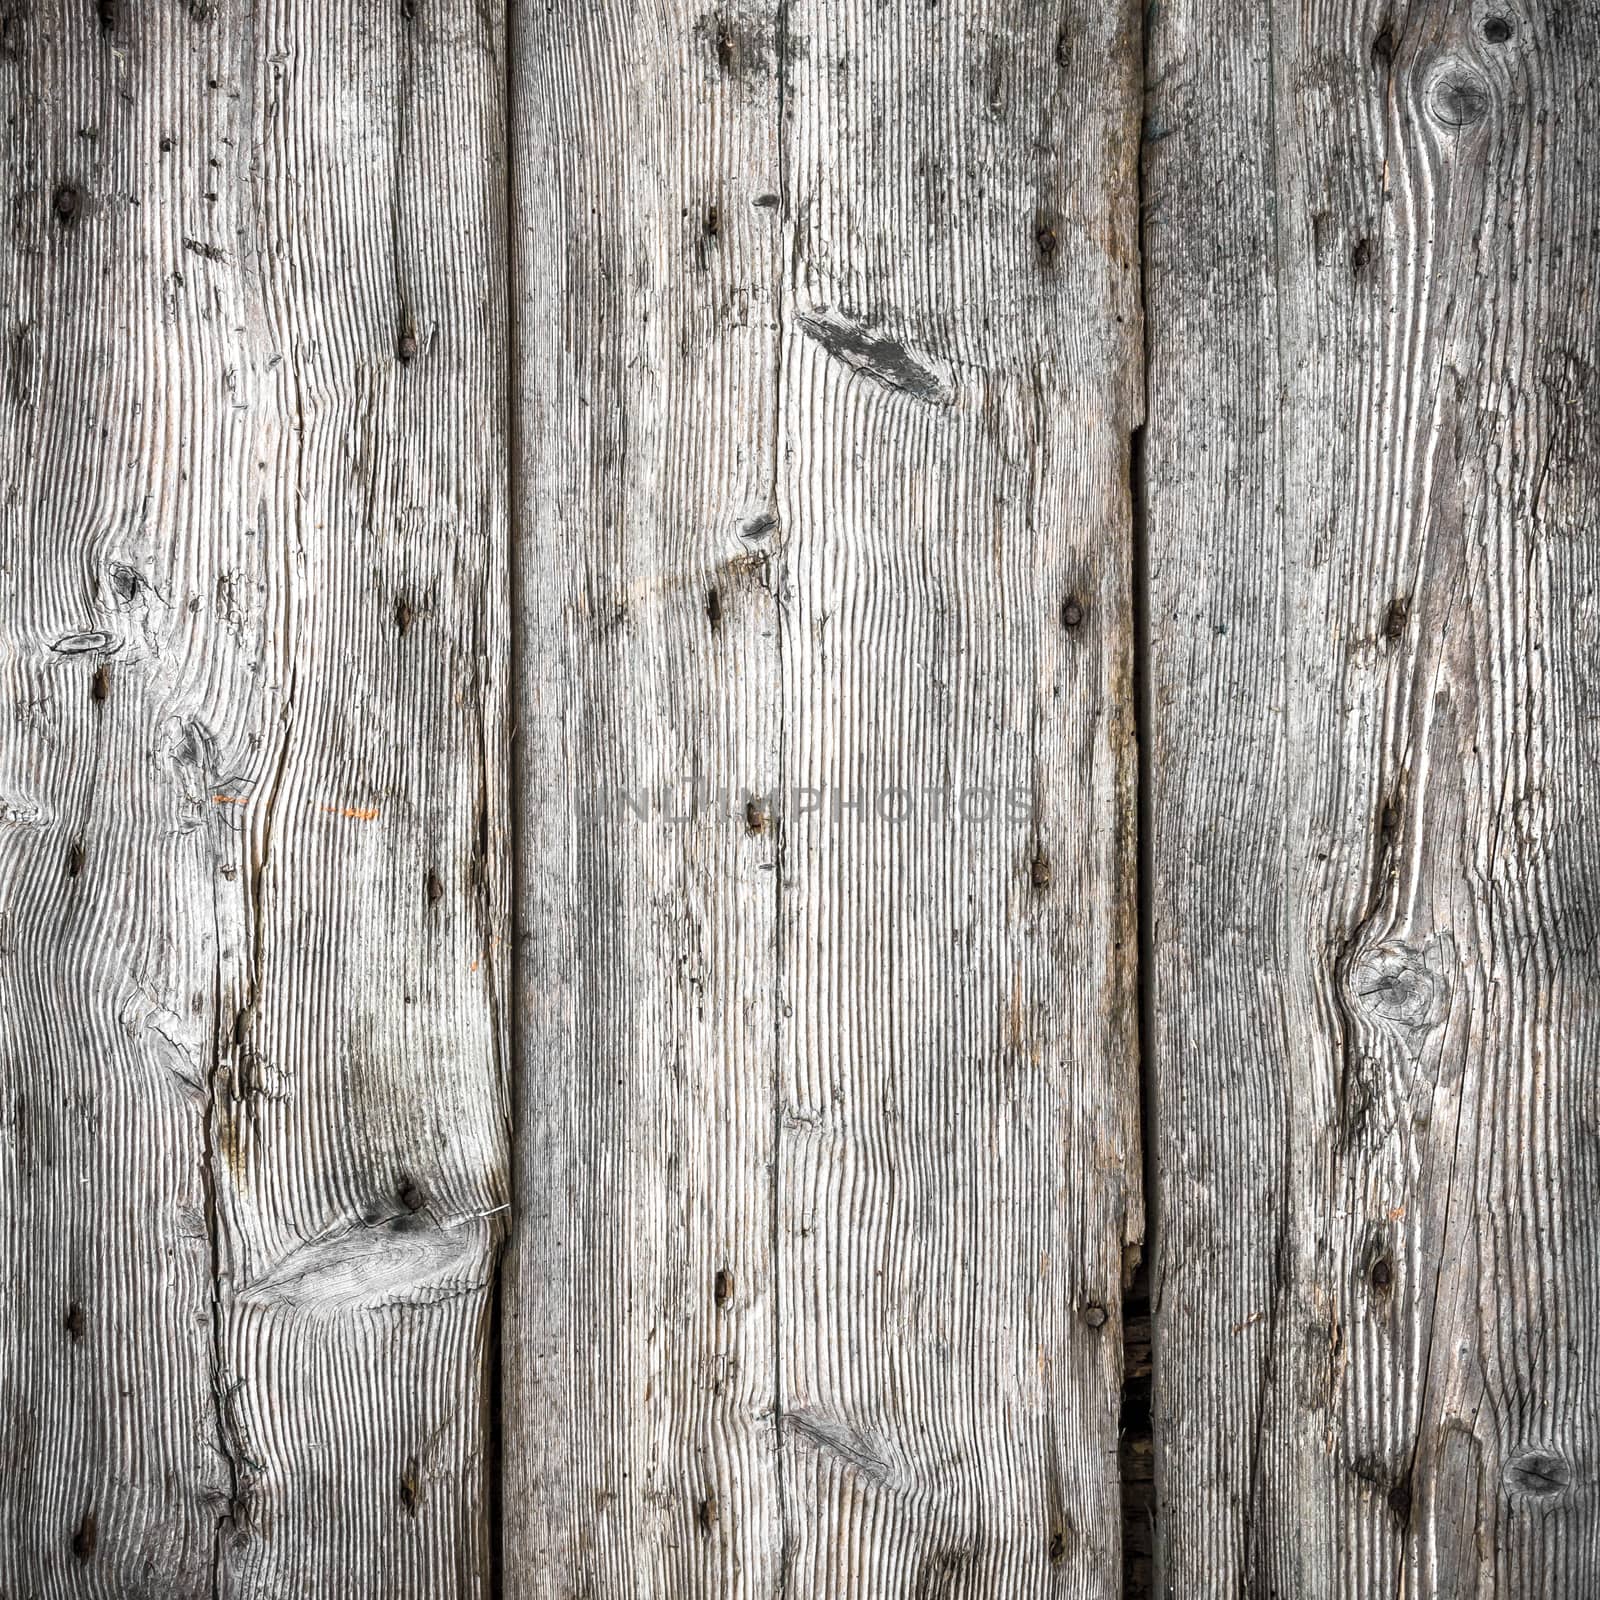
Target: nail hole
1383	48
74	1322
755	816
714	607
66	202
1040	871
708	1511
83	1541
1058	1547
409	1487
722	1289
435	889
1394	625
1095	1314
1045	237
100	684
1360	255
75	858
406	346
404	615
1072	612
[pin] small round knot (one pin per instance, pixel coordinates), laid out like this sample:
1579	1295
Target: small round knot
1458	97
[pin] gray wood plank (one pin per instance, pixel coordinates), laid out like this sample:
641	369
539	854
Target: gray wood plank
1370	246
252	549
828	358
639	1354
958	1150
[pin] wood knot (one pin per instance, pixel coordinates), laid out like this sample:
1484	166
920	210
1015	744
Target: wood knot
1072	613
1537	1475
67	202
1497	30
1404	987
1094	1314
1458	97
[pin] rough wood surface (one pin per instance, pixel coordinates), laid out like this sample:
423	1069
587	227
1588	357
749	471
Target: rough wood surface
639	1355
1370	245
252	558
828	356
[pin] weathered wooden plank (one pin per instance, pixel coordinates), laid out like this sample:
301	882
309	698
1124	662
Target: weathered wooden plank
958	1150
639	1356
1370	254
252	548
828	355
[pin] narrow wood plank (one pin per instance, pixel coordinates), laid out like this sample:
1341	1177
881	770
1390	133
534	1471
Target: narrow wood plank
252	548
958	1157
1371	255
640	1454
828	352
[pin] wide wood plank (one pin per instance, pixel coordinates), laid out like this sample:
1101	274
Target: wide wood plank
827	1148
252	549
1370	245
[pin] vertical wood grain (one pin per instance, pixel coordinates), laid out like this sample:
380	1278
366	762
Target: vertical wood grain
640	1450
826	1155
1370	246
958	1146
252	549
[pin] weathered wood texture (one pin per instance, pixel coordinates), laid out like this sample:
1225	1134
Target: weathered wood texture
1370	246
252	1147
827	1146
